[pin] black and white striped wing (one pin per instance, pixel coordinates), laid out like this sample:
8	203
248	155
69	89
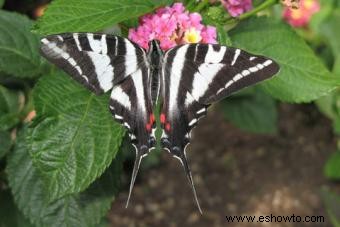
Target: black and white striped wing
101	62
196	75
131	105
97	61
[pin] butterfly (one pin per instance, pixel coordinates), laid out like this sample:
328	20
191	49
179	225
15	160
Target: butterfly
185	80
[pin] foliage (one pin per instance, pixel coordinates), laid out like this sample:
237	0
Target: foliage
332	201
63	167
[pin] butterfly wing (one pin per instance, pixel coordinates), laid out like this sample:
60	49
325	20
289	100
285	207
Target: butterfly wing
97	61
101	62
130	104
196	75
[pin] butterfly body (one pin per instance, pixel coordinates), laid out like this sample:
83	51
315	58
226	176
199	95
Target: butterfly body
185	80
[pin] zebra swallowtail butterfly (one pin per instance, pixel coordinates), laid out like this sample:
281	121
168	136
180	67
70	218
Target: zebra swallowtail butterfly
185	79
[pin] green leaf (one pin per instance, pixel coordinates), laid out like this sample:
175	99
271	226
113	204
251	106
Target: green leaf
2	2
9	108
329	29
80	209
254	113
302	77
327	105
74	138
86	15
10	216
5	143
332	167
332	203
336	68
9	100
19	55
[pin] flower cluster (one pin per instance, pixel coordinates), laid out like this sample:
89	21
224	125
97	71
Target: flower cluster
294	4
172	26
237	7
300	17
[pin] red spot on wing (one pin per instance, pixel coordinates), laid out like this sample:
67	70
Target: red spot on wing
162	118
148	127
167	127
152	118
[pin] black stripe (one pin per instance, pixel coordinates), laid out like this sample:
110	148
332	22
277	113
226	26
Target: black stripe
111	45
187	75
118	61
84	42
202	50
216	47
97	36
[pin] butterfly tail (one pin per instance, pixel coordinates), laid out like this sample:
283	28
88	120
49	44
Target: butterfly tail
139	157
184	161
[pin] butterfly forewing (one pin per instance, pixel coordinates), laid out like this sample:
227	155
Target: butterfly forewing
98	61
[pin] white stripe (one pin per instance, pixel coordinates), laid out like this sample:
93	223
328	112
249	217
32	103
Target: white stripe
60	38
116	46
118	117
79	70
197	45
177	66
85	77
72	62
104	44
201	111
220	90
245	72
260	66
76	39
237	53
268	62
65	55
121	97
94	44
126	125
229	83
45	41
237	77
130	58
137	78
203	78
188	99
192	122
213	56
103	69
252	58
253	69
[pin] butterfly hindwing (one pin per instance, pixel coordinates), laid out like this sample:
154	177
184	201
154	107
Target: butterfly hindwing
97	61
130	104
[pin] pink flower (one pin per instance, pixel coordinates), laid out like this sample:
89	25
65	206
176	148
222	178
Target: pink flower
172	26
237	7
300	17
294	4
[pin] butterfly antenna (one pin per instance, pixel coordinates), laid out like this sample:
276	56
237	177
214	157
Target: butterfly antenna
139	156
187	171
